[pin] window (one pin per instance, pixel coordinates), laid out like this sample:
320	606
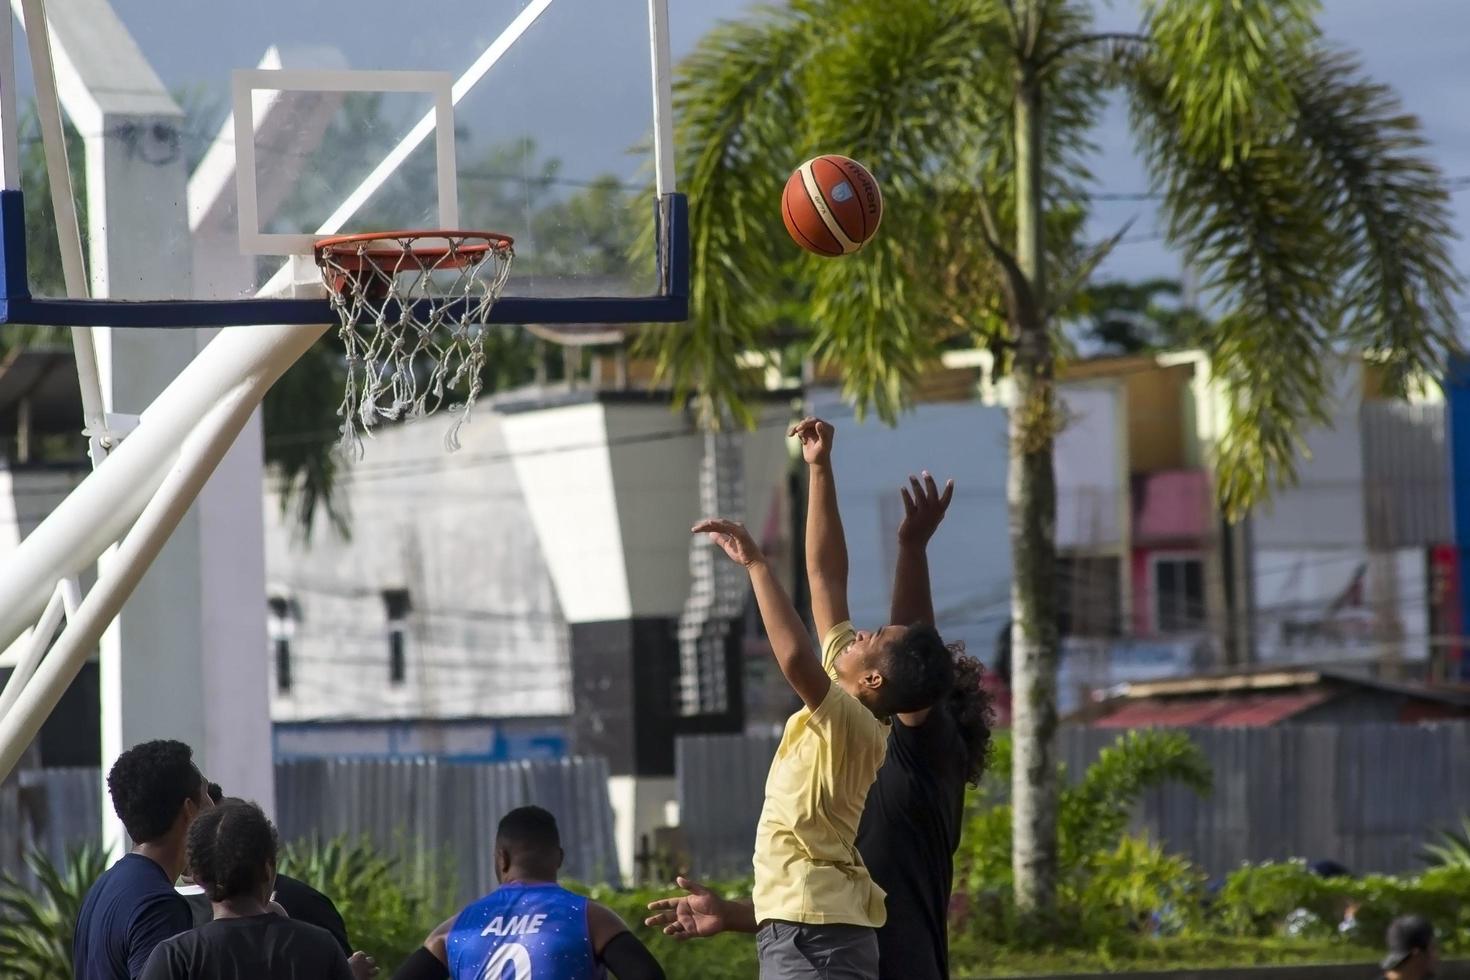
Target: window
1178	593
396	607
280	625
1089	596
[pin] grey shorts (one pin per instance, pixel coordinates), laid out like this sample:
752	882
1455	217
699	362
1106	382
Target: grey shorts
797	951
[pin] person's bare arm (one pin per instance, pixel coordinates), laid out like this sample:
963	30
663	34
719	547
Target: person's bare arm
826	547
913	598
923	510
789	640
700	913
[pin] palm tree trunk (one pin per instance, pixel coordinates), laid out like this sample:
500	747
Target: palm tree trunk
1031	494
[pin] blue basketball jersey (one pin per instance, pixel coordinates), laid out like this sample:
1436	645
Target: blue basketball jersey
523	932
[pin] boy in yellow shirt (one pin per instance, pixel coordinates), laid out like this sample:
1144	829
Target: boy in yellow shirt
816	905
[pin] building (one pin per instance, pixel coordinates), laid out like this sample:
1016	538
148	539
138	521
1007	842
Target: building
1273	696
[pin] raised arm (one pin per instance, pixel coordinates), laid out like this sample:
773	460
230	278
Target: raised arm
789	640
913	599
826	548
923	509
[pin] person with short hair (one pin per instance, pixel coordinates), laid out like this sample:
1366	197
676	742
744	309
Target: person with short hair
232	852
1413	953
530	926
157	793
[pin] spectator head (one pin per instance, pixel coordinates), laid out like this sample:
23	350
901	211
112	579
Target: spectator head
528	845
157	790
232	852
1412	952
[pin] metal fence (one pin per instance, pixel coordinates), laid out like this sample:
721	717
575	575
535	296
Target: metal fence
426	813
1368	796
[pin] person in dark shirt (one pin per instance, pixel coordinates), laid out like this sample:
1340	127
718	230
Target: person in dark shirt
914	812
232	852
157	793
294	897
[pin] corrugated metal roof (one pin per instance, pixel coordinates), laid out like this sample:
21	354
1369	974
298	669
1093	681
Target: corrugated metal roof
1252	711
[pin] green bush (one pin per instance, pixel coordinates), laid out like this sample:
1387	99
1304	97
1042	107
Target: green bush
387	907
36	927
730	957
1110	885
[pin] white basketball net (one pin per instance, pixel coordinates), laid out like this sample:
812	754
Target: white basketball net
413	310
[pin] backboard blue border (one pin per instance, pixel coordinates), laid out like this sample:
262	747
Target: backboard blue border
669	305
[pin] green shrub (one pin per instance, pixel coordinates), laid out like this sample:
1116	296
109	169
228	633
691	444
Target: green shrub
388	908
36	927
730	957
1111	885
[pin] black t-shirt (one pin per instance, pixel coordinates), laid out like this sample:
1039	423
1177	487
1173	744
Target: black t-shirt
907	837
301	902
305	904
257	947
129	910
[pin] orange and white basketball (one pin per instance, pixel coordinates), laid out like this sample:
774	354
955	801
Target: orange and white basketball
831	205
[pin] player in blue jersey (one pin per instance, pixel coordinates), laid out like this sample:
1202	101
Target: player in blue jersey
530	928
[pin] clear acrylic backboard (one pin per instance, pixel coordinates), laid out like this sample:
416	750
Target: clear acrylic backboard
211	142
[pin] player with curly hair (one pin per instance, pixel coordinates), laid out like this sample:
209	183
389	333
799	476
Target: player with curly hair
911	821
157	793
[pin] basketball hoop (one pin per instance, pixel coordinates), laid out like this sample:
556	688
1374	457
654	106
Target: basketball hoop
413	307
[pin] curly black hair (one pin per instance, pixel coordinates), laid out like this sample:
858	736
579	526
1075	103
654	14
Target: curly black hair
232	850
149	783
969	705
917	671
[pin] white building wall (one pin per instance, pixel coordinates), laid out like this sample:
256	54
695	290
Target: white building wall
969	559
1321	593
485	636
1091	462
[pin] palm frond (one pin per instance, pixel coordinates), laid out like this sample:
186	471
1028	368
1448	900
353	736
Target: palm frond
37	923
1390	210
1451	849
1224	62
1258	229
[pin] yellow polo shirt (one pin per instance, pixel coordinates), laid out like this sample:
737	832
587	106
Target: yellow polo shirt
807	868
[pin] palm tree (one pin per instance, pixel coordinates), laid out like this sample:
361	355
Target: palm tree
1295	185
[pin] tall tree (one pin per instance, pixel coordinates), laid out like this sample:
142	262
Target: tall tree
1295	184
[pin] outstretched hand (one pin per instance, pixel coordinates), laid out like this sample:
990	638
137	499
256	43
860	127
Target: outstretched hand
923	508
816	438
696	915
733	538
363	966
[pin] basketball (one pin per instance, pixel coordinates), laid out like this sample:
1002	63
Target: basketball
831	205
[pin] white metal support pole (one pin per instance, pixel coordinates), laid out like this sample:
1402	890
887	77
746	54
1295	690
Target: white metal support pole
100	510
68	229
9	113
30	658
206	443
663	107
211	439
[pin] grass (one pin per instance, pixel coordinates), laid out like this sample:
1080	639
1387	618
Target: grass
1160	954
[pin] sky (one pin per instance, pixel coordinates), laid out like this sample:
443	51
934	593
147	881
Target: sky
579	80
1419	47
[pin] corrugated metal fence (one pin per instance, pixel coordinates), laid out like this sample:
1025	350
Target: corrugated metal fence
423	811
1368	796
